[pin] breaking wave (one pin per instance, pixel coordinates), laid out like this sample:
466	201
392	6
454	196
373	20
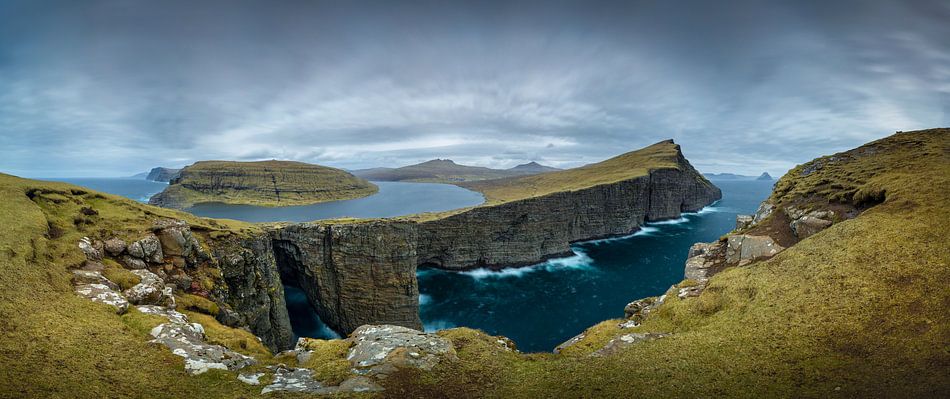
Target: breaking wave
579	260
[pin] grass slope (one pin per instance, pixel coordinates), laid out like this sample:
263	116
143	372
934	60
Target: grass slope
266	183
857	310
637	163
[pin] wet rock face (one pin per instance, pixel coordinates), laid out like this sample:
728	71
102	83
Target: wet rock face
353	274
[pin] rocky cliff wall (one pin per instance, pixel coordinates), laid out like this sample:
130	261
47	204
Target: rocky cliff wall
357	273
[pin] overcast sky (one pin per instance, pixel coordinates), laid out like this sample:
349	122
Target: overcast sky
107	88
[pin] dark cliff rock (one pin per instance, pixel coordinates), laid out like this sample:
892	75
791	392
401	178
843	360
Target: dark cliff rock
162	174
353	274
361	272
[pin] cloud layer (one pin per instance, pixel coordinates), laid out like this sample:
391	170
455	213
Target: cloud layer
116	87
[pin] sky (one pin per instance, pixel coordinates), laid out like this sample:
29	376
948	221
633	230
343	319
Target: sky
113	88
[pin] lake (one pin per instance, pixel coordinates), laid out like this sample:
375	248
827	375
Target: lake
393	199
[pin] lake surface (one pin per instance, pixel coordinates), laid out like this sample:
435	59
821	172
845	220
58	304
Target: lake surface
393	199
544	305
133	188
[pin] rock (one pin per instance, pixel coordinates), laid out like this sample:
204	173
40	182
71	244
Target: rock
380	349
179	243
114	246
228	317
569	343
250	378
704	260
626	340
151	248
170	314
150	291
86	245
180	279
744	221
638	310
82	277
187	340
133	263
807	224
103	294
135	250
360	384
765	209
296	380
743	249
93	266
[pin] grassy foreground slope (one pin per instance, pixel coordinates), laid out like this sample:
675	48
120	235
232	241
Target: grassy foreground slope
266	183
664	154
856	310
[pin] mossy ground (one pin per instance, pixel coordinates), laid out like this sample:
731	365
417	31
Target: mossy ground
857	310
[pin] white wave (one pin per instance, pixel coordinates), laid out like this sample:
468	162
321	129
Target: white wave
424	299
437	325
326	331
670	221
579	260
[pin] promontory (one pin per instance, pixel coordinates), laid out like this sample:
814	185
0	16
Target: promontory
264	183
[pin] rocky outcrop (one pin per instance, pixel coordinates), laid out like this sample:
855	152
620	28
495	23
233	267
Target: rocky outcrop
161	174
188	341
379	350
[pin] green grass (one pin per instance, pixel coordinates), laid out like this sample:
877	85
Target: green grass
857	310
265	183
633	164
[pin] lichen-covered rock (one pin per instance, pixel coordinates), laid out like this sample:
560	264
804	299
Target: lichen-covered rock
625	340
743	249
188	341
808	225
744	221
638	310
381	349
765	209
87	247
151	248
82	277
150	290
103	294
704	260
296	380
178	242
114	246
133	263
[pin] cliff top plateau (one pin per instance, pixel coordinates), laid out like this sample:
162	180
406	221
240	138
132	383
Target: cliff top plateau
266	183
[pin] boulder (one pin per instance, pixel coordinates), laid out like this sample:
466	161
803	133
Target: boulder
114	246
103	294
188	341
743	249
381	349
150	291
151	248
87	247
133	263
296	380
744	221
82	277
702	261
807	224
638	310
135	250
765	209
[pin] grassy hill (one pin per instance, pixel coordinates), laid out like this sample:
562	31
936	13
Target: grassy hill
856	310
664	154
447	171
266	183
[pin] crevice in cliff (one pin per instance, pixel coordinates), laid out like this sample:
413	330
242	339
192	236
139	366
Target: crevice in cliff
301	293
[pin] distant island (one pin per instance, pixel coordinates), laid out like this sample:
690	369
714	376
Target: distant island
265	183
733	176
447	171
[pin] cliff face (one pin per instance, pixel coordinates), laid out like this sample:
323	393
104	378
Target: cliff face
359	273
162	174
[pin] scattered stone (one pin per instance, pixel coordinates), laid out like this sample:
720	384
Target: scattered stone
765	209
86	245
296	380
82	277
380	349
133	263
114	246
150	290
103	294
188	341
250	378
569	343
626	340
638	310
743	221
629	324
691	291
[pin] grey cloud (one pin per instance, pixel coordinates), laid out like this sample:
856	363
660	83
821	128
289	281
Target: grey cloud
115	87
